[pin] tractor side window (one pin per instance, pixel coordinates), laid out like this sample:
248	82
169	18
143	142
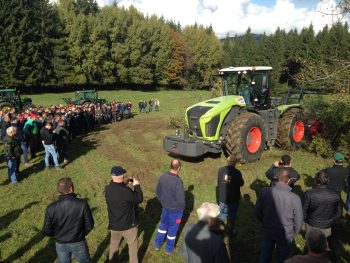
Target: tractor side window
230	85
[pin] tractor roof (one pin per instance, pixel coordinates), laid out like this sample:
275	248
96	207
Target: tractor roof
8	90
85	91
247	68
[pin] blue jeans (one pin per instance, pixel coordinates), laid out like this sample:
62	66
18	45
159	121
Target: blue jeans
25	151
268	246
347	203
79	250
11	169
169	224
228	211
50	150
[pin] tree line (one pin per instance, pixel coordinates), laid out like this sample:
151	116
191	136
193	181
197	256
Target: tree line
75	42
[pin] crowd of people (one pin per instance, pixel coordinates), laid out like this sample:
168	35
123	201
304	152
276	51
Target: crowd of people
280	211
51	129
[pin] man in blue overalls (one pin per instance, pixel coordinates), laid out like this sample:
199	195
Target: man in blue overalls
171	194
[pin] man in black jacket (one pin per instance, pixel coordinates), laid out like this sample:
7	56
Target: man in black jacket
122	203
229	183
48	137
68	221
321	206
286	163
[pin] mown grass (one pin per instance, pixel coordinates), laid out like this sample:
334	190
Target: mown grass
138	148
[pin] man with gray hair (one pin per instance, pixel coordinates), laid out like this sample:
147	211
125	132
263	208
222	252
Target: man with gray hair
316	243
201	244
12	151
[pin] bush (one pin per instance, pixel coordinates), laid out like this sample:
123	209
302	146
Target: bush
321	147
176	121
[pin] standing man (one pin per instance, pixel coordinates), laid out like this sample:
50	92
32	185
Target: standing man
62	141
322	206
12	151
200	243
338	173
171	194
286	163
281	214
122	203
229	183
48	136
68	220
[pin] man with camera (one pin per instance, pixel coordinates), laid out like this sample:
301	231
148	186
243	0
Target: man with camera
122	204
284	163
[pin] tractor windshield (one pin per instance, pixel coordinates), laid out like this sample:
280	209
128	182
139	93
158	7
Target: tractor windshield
252	85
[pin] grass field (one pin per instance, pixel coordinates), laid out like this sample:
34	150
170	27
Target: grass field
136	144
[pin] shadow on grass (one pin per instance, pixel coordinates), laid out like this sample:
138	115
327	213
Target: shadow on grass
101	249
4	237
257	185
12	216
148	224
46	254
22	250
189	201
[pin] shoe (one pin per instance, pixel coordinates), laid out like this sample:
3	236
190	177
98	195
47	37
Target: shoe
16	183
28	164
169	253
59	168
65	161
157	248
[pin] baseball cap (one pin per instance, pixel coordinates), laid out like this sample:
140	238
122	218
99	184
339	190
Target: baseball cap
338	156
118	170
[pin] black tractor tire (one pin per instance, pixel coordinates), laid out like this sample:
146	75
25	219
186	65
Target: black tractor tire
6	105
246	137
28	106
291	131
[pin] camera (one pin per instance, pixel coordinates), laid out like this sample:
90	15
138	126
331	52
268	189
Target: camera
130	180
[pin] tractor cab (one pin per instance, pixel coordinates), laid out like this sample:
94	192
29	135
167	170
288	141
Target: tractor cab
252	83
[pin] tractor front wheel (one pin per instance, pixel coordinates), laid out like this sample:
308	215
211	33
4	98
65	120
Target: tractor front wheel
291	129
245	139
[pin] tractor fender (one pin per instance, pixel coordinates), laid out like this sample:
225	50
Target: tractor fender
285	108
235	110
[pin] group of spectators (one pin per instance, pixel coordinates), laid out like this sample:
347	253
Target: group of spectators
51	128
281	212
151	103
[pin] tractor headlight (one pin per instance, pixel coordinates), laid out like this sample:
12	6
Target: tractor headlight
211	126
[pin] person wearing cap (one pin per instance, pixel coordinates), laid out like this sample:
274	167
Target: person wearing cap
48	137
122	205
286	163
171	194
281	214
338	174
69	220
316	244
200	243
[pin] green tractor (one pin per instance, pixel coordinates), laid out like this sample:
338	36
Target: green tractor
10	98
242	122
85	97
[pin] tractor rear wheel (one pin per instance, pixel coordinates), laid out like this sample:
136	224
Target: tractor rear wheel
245	139
291	129
6	106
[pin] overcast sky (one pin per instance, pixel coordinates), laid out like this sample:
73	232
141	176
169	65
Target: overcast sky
235	16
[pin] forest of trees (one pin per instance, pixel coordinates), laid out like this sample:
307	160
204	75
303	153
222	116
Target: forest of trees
75	42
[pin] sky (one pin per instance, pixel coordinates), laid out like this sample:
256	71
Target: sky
235	16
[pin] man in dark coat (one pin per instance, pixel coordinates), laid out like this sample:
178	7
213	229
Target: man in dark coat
69	221
122	203
338	173
229	193
281	215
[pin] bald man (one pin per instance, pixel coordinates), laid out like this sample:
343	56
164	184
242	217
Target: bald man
171	194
